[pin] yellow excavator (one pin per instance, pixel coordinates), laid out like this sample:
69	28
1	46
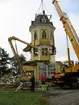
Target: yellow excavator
23	75
71	73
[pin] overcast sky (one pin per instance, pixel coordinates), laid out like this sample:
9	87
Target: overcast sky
16	17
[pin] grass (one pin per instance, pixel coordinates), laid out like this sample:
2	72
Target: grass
8	97
43	101
19	98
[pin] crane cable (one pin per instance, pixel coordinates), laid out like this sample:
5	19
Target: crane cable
39	7
43	6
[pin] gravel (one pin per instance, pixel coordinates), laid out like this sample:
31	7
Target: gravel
63	97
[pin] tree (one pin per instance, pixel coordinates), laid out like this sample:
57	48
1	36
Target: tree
22	59
14	63
4	61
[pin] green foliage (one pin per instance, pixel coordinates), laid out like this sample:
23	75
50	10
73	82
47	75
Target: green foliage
14	63
22	58
4	61
8	64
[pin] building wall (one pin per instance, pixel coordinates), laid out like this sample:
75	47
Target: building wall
41	68
46	69
31	69
58	67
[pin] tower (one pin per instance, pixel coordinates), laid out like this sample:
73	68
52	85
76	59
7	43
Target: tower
42	38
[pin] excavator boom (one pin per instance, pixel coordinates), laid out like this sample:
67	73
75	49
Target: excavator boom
14	52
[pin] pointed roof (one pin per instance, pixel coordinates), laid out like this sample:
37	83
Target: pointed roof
41	19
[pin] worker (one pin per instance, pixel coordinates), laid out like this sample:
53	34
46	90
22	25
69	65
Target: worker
32	80
42	79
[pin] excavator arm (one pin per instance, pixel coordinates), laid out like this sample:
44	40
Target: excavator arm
67	28
14	52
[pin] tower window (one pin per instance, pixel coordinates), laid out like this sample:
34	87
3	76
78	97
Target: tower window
44	51
35	35
43	19
43	34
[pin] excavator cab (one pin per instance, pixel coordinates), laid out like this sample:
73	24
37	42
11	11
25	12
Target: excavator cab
68	64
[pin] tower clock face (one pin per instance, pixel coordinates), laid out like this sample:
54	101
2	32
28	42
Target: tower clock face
43	19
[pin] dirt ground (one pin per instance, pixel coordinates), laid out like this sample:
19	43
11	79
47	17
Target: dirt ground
63	96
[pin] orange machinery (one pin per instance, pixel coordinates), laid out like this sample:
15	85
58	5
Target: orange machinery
71	73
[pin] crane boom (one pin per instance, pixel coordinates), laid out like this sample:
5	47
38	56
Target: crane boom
72	28
67	28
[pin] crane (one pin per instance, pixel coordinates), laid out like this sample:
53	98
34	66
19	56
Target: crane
67	28
71	75
70	31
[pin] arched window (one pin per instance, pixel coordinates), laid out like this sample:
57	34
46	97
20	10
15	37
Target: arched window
35	35
43	34
43	19
44	51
